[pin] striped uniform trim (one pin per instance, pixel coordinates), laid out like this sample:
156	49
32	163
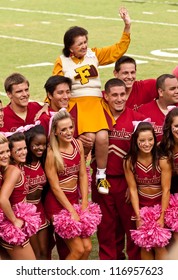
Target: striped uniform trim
150	186
117	151
8	246
34	167
66	176
146	169
35	201
21	182
75	151
70	178
69	190
150	196
176	156
45	225
38	187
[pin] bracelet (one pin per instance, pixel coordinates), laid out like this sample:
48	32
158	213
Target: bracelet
134	218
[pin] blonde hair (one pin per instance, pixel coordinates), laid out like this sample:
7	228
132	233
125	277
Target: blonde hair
3	139
54	141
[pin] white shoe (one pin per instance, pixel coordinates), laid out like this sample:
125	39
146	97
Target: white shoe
103	186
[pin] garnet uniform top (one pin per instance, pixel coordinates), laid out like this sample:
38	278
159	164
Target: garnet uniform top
18	195
119	141
20	190
36	178
71	164
151	110
116	213
147	176
143	91
13	121
71	171
45	120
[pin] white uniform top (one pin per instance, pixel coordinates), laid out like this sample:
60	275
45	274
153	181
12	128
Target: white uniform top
84	75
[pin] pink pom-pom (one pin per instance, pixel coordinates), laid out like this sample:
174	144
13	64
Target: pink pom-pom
151	237
150	214
27	212
11	234
68	228
150	234
95	210
171	214
90	219
65	226
32	221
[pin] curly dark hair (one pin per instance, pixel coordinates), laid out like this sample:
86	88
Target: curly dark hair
69	38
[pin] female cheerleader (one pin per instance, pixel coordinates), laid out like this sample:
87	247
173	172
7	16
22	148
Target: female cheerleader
149	178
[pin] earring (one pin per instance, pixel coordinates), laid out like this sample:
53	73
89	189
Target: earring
71	53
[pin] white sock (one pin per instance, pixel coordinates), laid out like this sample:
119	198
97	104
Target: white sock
100	174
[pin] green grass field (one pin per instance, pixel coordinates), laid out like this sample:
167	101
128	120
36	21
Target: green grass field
31	37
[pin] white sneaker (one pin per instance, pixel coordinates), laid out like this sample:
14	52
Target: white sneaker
103	186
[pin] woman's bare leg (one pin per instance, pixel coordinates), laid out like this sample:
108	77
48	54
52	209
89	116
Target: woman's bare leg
147	255
76	248
22	253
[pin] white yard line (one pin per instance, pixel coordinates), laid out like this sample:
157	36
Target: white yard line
84	16
29	40
87	17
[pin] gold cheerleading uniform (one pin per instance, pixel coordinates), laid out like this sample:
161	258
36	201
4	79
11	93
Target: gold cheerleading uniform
91	114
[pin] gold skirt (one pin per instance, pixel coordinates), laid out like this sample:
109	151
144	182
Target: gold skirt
91	114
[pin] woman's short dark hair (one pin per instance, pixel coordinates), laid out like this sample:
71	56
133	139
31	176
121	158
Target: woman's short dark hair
69	38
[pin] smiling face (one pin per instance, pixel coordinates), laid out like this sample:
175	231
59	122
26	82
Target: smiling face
19	151
4	154
79	47
60	97
145	141
127	74
38	145
65	130
19	95
116	99
169	93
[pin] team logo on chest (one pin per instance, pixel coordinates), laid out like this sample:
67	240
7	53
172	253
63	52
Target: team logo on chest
85	72
121	134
